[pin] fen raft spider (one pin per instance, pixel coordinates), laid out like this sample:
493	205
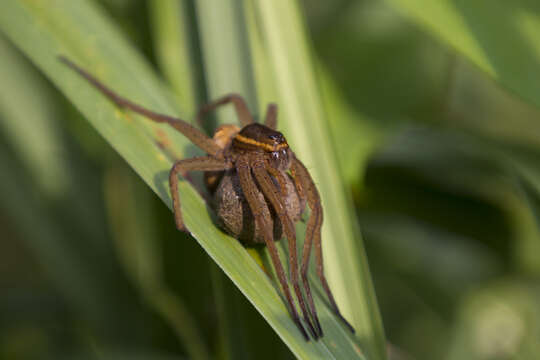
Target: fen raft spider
255	198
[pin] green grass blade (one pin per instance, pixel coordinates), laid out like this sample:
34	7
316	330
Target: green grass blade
524	166
134	231
37	142
176	50
302	116
221	29
346	125
225	52
83	33
501	37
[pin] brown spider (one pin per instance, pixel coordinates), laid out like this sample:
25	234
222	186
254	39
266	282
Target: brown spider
256	200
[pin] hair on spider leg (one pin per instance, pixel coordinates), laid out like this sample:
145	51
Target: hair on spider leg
259	190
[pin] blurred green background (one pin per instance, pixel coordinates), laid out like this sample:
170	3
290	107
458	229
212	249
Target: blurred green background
433	112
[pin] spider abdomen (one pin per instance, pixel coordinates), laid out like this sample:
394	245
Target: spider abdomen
234	214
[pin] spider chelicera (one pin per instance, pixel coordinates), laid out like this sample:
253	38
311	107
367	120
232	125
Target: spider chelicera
255	197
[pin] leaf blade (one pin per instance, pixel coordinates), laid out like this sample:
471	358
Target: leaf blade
501	38
302	115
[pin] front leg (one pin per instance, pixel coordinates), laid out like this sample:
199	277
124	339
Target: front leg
249	189
203	163
195	135
313	236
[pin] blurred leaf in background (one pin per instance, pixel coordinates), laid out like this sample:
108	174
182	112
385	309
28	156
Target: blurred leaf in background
432	108
448	202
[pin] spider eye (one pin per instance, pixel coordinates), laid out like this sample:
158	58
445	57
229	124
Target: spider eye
273	137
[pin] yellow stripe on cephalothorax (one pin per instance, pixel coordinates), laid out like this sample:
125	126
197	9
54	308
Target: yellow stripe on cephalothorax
260	144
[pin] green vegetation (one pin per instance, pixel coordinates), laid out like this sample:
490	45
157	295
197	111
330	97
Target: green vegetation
418	122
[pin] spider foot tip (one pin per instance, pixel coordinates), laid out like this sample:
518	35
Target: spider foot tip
302	330
181	227
313	333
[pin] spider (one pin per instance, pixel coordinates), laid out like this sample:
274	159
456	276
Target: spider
259	191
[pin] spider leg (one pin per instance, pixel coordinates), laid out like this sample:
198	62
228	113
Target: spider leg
280	178
313	236
312	224
320	273
271	193
249	189
203	163
242	111
271	116
297	182
195	135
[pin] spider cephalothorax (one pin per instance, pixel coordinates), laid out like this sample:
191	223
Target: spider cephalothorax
259	191
263	141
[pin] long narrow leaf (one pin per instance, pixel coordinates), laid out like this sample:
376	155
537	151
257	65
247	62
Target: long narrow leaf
302	116
175	49
501	37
